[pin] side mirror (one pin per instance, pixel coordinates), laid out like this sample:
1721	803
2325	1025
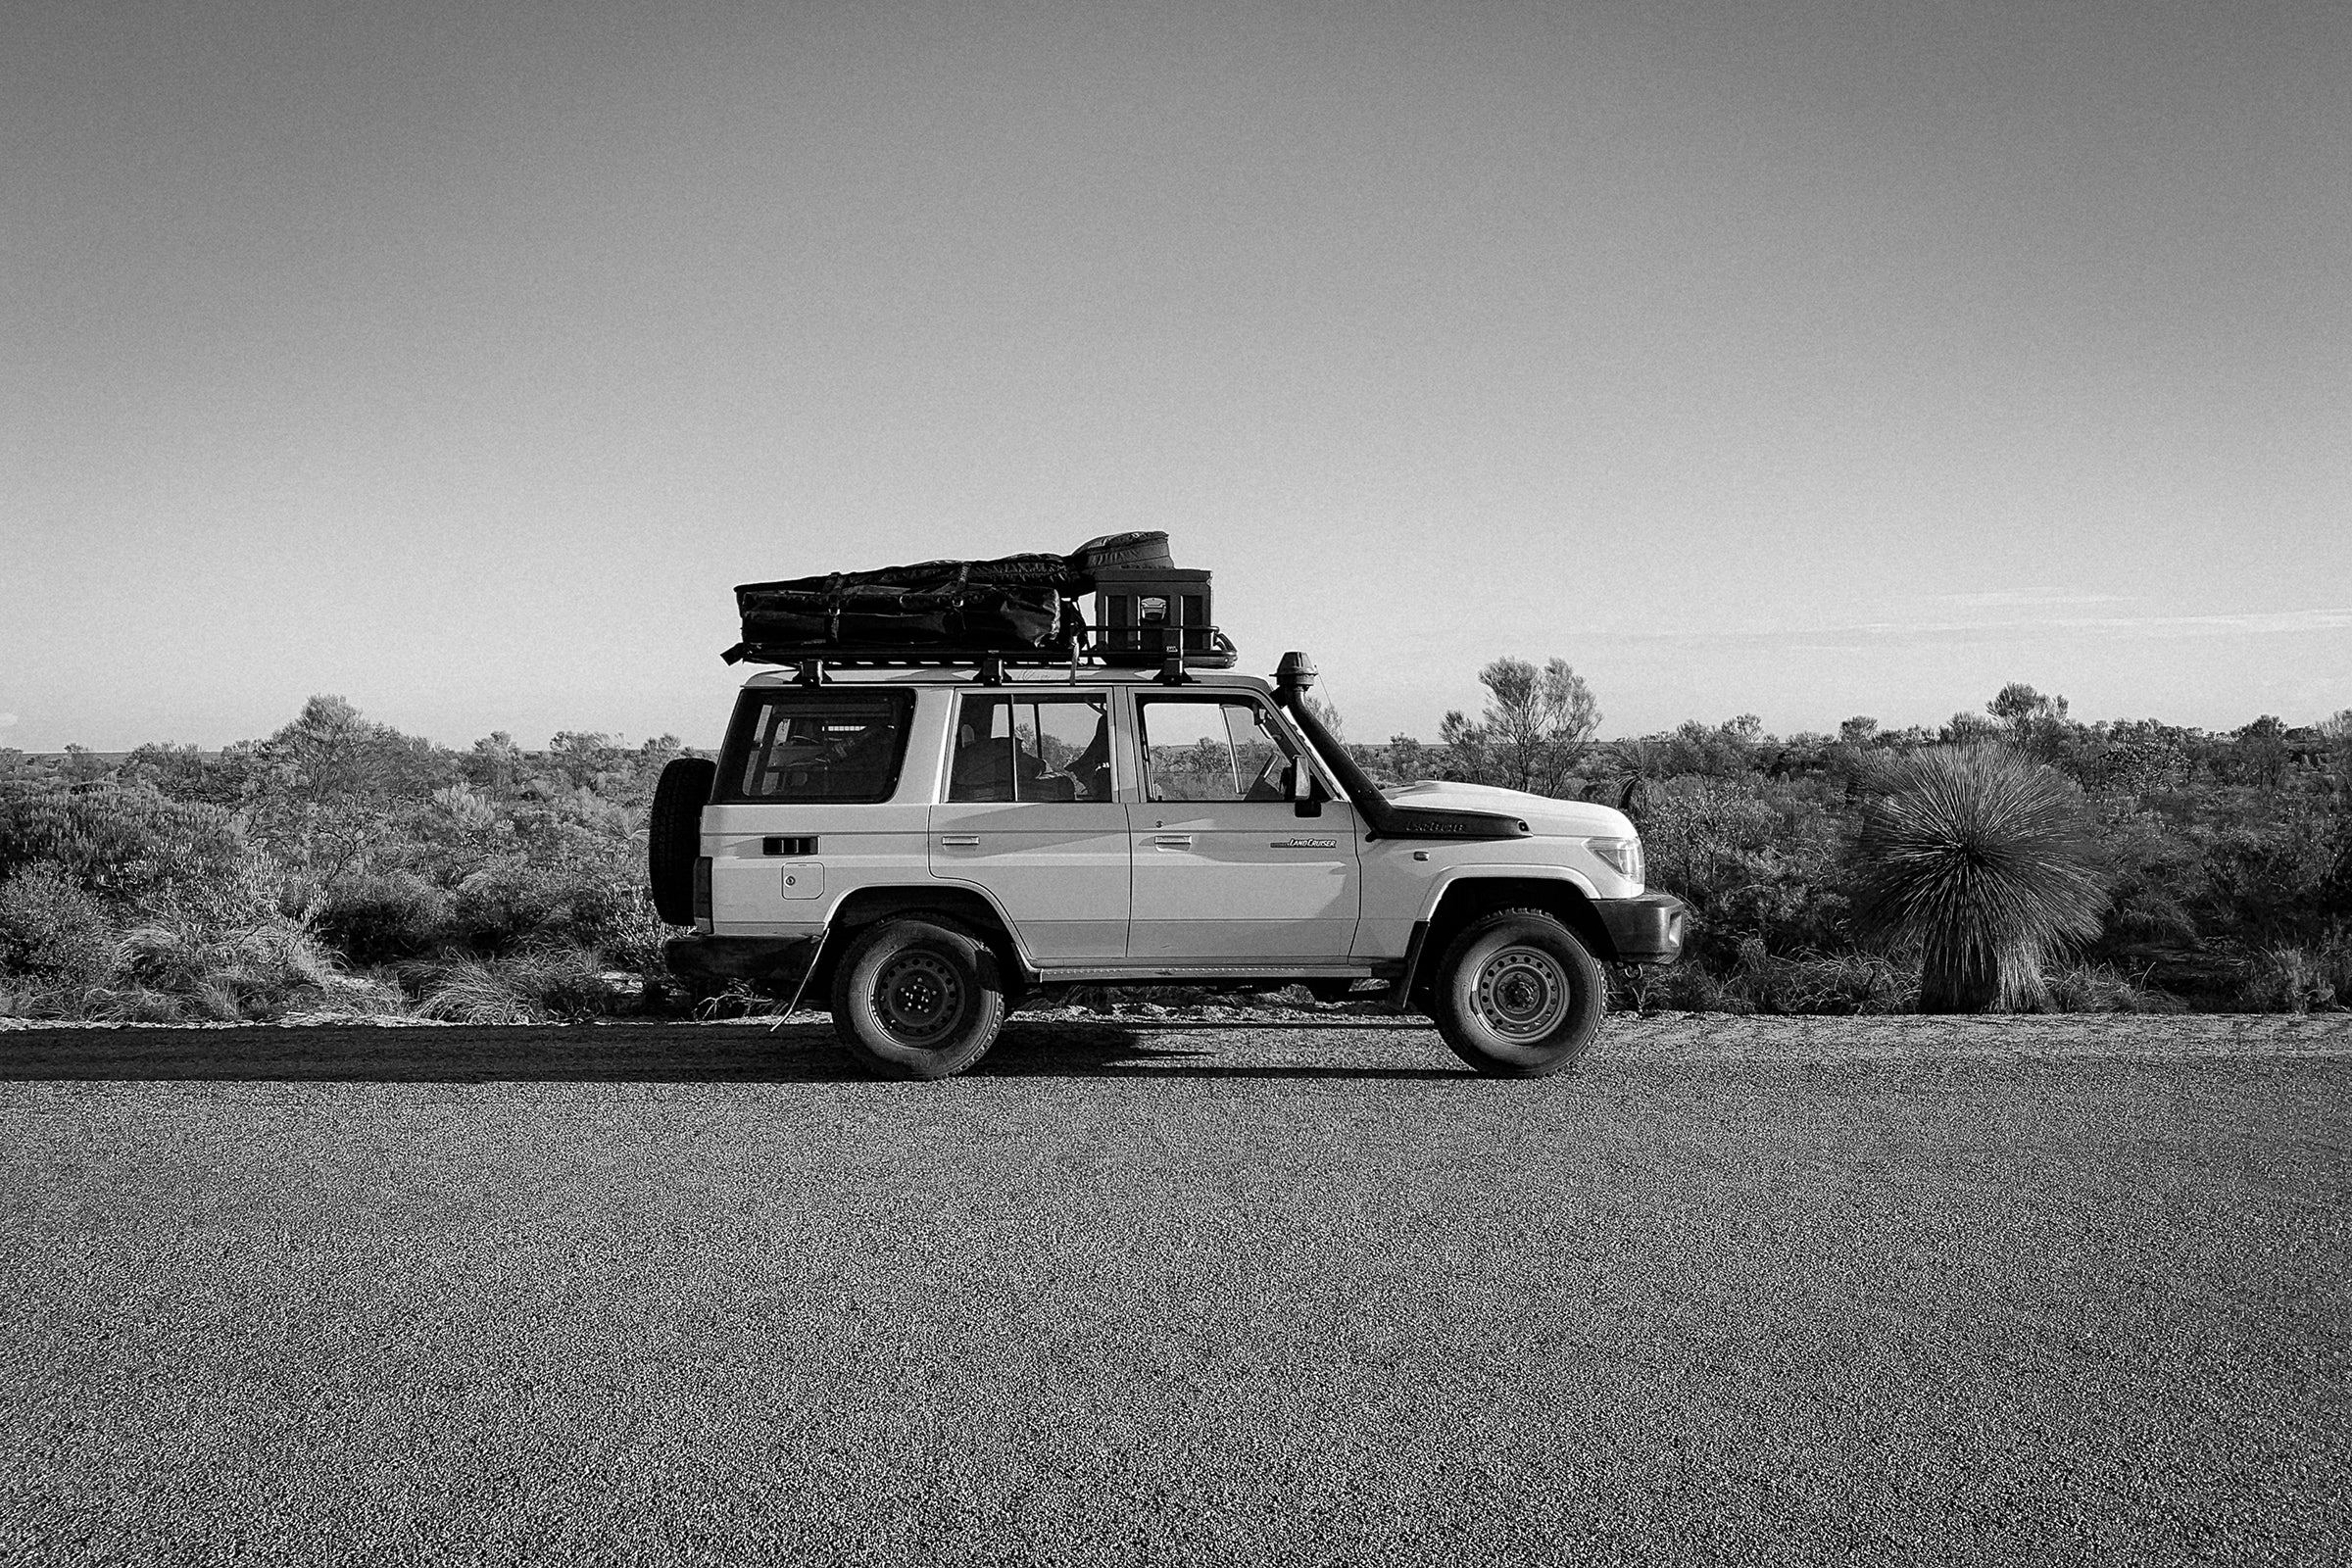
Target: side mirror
1306	796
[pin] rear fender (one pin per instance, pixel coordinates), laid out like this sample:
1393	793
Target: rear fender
969	906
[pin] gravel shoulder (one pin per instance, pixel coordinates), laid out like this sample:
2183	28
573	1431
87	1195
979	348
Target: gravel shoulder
1165	1289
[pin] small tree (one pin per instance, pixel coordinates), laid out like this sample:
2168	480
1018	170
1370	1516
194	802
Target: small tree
1536	726
1984	858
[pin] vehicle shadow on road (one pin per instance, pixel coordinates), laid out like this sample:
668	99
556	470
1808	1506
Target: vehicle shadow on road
602	1053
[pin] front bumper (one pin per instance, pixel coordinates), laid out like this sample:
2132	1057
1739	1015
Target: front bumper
1645	930
784	961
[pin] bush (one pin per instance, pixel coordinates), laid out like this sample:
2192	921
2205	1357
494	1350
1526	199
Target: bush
519	901
136	850
380	917
1754	859
52	929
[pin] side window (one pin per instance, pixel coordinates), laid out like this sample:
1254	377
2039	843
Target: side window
1210	749
815	746
1023	747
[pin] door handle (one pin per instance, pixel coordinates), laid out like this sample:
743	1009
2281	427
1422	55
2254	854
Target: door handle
961	840
1172	841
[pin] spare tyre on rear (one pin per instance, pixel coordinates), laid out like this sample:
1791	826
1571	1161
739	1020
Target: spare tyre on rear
673	835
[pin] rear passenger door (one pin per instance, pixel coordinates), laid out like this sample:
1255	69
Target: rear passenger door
1225	868
1030	813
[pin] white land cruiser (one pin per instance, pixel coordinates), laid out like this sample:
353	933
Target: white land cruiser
924	847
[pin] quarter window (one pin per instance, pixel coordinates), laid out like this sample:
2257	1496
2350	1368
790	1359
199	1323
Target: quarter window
815	746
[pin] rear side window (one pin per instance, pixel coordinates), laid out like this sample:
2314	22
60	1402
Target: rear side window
1031	748
815	746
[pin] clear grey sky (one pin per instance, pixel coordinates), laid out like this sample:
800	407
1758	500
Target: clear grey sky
1804	359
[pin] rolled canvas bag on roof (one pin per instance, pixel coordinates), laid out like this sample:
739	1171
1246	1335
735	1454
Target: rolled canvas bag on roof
1011	602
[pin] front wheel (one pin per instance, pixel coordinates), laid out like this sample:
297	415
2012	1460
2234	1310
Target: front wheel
1519	996
917	998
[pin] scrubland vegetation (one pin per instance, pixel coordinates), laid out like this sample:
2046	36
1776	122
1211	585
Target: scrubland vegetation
2014	857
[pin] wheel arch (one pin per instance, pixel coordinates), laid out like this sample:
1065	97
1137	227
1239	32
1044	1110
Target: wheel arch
968	906
1468	898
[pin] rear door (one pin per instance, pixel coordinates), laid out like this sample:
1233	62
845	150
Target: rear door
1225	868
1029	811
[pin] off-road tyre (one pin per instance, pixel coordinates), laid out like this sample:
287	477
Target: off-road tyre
917	997
1518	996
673	835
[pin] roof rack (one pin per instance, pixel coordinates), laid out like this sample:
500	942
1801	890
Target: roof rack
1110	647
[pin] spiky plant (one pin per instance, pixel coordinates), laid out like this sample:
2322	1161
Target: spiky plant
1986	861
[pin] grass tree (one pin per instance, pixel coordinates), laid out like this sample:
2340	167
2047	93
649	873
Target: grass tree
1984	858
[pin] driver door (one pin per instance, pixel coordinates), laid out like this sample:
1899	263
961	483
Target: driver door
1224	868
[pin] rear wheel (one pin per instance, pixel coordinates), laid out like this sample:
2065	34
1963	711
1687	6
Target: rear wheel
1519	995
917	998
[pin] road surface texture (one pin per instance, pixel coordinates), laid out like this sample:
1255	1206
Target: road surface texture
1150	1290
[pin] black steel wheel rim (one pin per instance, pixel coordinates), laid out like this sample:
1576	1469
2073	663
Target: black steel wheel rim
918	997
1523	994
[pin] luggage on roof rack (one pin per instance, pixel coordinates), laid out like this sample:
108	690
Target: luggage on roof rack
1016	608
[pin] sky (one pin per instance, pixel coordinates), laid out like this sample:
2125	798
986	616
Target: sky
1802	360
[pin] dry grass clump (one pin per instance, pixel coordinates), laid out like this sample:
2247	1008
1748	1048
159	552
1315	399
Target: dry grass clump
539	985
1834	984
2289	979
179	970
2099	987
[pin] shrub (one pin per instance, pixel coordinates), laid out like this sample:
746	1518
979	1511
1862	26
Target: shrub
1985	861
135	849
379	917
598	904
52	929
1753	858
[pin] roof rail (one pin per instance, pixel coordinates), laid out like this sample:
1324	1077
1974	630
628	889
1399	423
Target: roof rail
1118	647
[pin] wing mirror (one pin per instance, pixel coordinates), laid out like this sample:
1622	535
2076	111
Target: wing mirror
1306	793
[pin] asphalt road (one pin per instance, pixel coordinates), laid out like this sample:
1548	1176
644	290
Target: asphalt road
2032	1291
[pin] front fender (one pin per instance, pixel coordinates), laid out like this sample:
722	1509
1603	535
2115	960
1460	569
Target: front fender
1454	875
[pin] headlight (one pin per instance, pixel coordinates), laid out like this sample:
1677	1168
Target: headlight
1622	855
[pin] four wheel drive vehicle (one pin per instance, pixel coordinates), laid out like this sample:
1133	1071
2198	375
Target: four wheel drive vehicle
926	845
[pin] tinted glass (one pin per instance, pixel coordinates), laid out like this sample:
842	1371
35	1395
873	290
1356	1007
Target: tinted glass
1031	749
815	746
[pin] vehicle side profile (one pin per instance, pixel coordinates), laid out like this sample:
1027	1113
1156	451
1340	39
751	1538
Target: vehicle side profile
956	791
922	847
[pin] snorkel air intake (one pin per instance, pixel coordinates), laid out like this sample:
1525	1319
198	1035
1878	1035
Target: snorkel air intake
1292	678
